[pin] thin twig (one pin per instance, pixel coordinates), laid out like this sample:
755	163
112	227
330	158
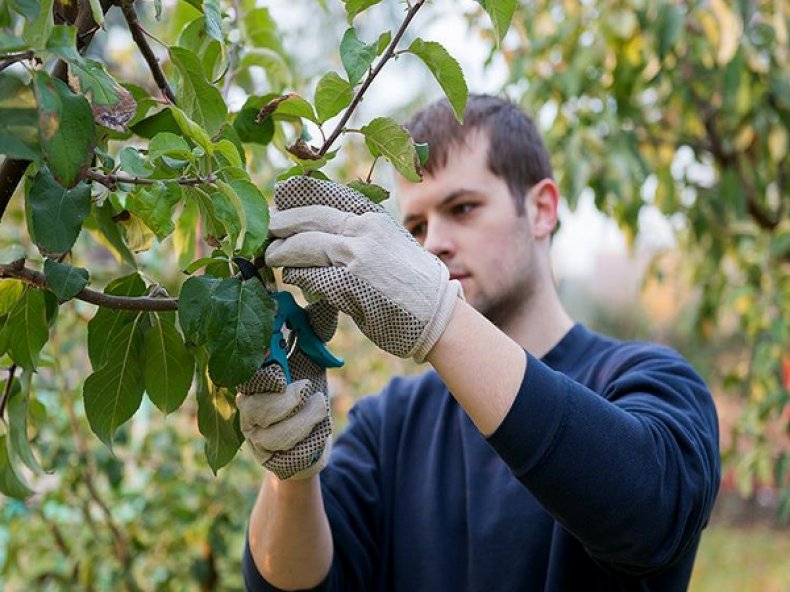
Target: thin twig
370	172
12	58
373	73
139	36
38	279
111	181
7	390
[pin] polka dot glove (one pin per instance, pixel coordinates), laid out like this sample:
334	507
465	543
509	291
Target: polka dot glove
288	427
334	242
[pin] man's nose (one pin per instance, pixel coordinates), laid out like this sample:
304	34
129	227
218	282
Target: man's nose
439	240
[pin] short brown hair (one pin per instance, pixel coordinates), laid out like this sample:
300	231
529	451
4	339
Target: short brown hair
516	152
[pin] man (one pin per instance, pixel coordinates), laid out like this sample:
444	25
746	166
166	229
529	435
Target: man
535	455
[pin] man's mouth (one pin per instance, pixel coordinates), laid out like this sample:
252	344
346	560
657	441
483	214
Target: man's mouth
458	276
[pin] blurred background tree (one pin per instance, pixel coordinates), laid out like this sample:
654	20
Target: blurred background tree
673	107
684	107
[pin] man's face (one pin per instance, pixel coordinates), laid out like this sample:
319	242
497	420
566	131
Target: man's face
466	216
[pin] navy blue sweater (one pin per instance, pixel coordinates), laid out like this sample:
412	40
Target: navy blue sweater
601	477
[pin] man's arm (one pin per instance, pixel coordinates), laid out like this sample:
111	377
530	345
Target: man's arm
289	536
631	472
480	365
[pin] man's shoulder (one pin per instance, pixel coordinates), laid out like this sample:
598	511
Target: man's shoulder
607	357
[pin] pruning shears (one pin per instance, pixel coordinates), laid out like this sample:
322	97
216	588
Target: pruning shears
291	327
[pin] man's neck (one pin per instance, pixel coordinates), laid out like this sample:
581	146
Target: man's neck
541	324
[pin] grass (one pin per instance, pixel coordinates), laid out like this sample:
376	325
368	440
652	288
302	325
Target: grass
742	559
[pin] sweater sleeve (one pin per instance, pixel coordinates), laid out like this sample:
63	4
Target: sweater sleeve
631	472
351	492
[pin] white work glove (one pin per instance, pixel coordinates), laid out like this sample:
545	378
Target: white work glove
335	243
289	427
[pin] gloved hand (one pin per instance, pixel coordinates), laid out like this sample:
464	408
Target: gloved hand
334	242
289	427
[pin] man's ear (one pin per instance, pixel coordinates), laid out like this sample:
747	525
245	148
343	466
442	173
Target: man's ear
542	201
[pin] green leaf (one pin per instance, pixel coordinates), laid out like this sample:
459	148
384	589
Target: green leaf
248	128
105	229
27	8
195	37
192	130
64	280
501	14
66	129
260	30
169	144
194	307
133	163
384	137
97	12
185	234
356	56
155	206
256	212
217	416
108	322
213	19
27	328
423	152
373	192
198	97
383	43
10	292
447	72
12	483
63	43
292	105
227	210
354	7
56	213
229	153
18	404
161	121
239	329
38	27
113	393
332	95
9	43
18	120
167	365
273	64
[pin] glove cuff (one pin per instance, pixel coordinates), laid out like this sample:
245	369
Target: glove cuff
317	465
452	291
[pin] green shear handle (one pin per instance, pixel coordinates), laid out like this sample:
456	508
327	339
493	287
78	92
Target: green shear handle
293	317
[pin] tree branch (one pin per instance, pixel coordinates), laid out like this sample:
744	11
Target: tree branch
12	58
38	279
138	34
110	181
13	170
729	159
373	73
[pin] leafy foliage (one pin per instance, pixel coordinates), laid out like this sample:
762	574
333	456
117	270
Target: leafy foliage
146	167
685	108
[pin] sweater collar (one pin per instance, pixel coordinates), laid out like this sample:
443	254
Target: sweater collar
569	349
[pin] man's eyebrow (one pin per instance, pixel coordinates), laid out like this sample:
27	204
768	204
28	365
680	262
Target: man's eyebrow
445	200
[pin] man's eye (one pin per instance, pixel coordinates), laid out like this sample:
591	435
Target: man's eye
417	230
464	208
